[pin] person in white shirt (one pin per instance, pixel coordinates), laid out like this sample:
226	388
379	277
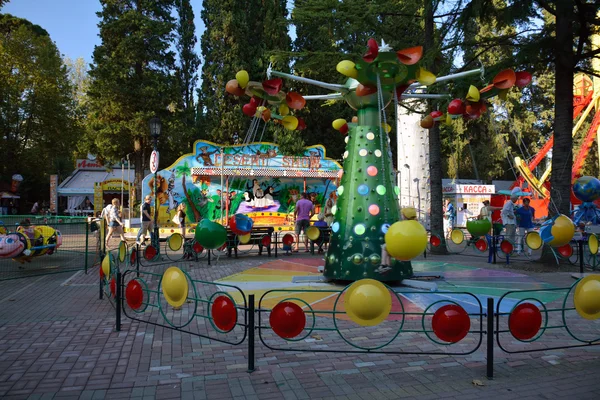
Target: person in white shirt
509	219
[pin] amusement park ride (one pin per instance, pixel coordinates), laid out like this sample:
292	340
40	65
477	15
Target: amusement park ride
368	227
586	102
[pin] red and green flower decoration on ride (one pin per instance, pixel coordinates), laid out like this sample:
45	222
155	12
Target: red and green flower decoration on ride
475	102
265	94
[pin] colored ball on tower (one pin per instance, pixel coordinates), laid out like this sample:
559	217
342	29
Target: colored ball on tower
479	227
210	235
451	323
587	188
562	231
287	319
405	240
587	297
524	321
368	302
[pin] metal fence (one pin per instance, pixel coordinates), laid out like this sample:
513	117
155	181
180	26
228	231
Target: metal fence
364	317
46	248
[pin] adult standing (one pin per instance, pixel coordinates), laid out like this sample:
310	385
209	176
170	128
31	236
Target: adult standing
145	219
450	215
302	214
181	216
509	219
35	209
525	216
114	221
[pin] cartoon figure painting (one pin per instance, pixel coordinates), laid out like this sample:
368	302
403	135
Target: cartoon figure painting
29	242
255	178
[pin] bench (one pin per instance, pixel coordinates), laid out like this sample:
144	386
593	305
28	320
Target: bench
324	238
257	235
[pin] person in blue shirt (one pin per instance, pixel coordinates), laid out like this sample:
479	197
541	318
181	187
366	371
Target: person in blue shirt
525	216
450	215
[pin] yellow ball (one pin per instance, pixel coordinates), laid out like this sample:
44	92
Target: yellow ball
174	286
587	297
368	302
347	68
562	230
405	240
106	266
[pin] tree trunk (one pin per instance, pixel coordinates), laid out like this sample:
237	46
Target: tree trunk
562	152
138	163
435	146
189	200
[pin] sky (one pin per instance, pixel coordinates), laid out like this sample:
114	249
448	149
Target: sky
73	24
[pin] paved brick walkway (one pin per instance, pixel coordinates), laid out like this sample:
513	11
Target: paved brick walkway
57	340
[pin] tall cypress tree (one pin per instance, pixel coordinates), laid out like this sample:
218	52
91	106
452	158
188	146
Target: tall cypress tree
131	79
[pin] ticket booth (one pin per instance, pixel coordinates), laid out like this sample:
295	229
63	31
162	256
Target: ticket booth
467	199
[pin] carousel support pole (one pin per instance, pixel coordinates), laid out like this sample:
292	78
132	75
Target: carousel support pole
221	196
304	185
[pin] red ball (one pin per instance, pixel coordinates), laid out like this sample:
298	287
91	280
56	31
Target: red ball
451	323
197	247
506	247
435	240
287	319
113	287
288	239
525	321
150	253
133	257
481	244
266	240
134	294
224	313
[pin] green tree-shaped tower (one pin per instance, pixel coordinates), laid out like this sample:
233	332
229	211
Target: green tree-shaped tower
367	196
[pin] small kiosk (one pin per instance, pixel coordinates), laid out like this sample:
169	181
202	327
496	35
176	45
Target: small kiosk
255	179
467	197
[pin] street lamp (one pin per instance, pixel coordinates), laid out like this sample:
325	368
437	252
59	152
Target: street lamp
155	126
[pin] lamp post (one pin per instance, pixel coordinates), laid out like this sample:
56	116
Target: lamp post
155	126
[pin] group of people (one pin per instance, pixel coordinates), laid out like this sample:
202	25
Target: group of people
516	219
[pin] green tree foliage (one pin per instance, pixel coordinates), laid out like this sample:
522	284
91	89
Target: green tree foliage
549	32
37	112
131	80
330	31
239	35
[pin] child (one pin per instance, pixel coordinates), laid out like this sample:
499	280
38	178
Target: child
386	261
321	224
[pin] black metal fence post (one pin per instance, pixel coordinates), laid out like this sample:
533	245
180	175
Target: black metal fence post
490	338
118	301
276	236
101	293
137	260
250	328
87	247
495	248
580	246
